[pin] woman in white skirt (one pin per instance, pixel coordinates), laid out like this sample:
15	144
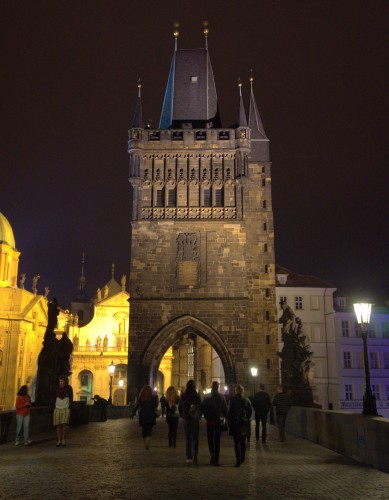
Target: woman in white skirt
62	409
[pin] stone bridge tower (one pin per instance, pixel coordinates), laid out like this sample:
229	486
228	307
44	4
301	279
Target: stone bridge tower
202	236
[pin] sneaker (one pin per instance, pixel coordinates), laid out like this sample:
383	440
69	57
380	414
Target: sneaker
188	460
28	443
17	443
58	443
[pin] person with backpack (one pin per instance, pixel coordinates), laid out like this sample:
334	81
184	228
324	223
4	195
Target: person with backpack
261	405
190	410
239	413
214	408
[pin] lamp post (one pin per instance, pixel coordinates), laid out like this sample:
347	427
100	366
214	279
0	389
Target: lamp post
362	312
254	374
111	371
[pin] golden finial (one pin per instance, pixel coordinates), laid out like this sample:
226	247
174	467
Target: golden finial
239	82
205	28
176	33
251	76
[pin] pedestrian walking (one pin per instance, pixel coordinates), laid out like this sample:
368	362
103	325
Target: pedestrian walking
214	408
23	405
162	401
61	415
239	413
172	414
261	405
147	405
282	403
190	410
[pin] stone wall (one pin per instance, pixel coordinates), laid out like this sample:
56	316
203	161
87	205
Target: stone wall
365	439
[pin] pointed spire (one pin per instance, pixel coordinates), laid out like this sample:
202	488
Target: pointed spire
82	279
259	140
242	113
137	120
206	32
176	34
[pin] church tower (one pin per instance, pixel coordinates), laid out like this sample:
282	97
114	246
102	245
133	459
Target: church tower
202	236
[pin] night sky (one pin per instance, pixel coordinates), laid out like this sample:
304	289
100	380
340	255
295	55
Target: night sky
69	72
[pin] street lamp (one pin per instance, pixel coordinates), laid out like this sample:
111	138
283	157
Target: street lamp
111	371
362	312
121	382
254	373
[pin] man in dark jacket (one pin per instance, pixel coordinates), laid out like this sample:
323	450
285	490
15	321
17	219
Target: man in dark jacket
214	408
282	404
239	413
261	404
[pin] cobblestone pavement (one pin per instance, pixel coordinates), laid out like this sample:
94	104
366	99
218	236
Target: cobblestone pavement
108	460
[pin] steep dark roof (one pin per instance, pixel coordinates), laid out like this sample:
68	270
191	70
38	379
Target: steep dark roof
190	95
259	141
300	280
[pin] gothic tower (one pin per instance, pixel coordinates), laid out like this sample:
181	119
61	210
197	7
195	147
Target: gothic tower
202	240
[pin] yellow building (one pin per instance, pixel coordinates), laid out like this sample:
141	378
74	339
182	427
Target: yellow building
23	320
103	340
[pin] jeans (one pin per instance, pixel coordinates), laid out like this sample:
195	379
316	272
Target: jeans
261	418
172	422
191	427
214	432
22	420
239	446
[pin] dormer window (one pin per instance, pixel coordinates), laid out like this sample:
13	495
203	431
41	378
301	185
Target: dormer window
193	79
281	278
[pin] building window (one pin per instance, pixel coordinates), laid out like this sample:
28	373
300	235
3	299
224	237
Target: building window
264	170
264	204
263	182
267	317
344	326
218	198
386	360
265	248
375	389
385	329
348	392
160	196
268	363
266	268
372	330
347	359
374	360
207	197
298	303
268	339
191	354
267	292
265	226
171	198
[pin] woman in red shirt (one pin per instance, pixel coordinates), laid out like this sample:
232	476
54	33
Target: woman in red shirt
23	405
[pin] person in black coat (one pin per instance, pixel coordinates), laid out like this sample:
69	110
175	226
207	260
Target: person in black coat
189	407
214	408
261	405
282	404
239	413
147	404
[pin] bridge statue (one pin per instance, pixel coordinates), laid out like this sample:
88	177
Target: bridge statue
53	360
295	358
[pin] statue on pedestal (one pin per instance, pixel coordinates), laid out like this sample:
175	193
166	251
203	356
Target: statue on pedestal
53	360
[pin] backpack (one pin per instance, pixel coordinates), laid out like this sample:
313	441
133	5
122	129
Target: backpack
194	411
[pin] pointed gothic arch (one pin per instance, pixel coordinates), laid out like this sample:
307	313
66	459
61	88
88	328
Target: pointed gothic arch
175	330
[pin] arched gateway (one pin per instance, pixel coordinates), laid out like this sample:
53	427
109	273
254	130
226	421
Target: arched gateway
202	235
175	330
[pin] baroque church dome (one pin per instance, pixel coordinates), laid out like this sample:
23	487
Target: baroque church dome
6	233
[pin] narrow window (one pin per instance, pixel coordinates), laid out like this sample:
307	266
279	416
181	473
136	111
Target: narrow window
207	197
218	198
